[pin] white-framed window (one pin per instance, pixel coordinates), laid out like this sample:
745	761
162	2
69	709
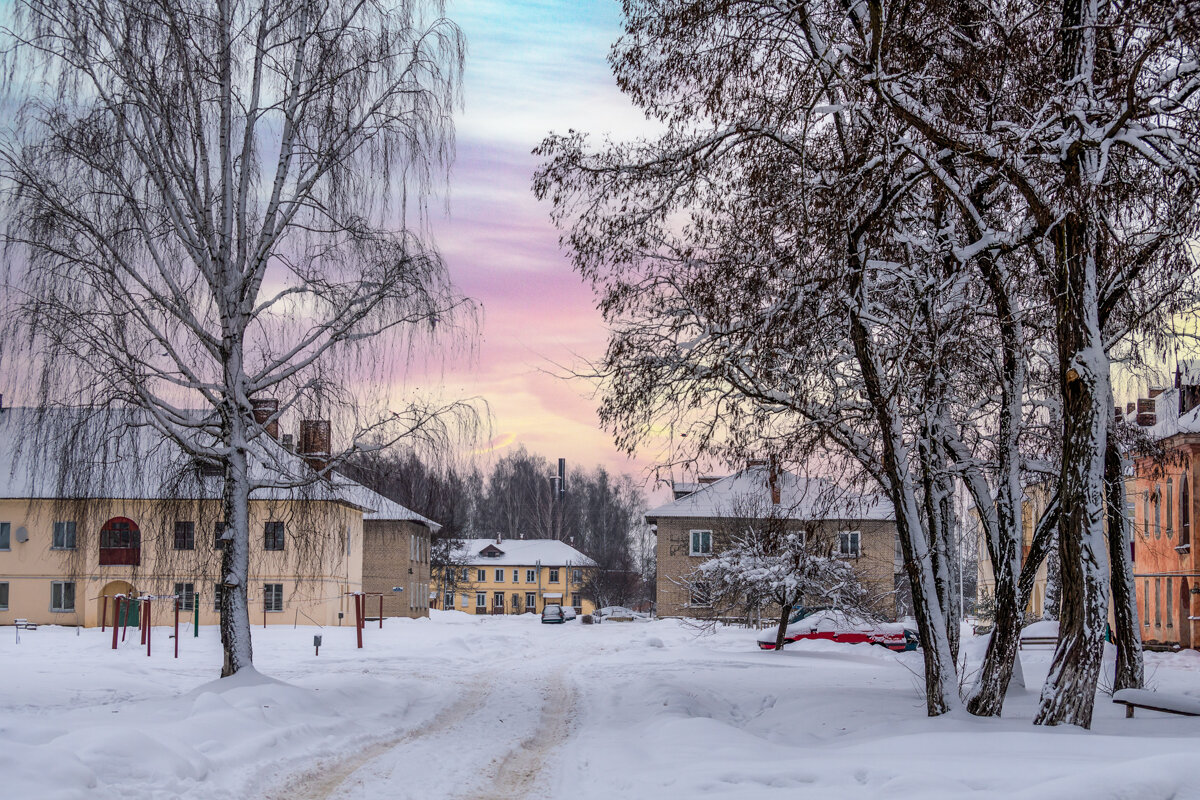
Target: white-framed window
700	543
480	599
62	596
516	575
531	576
576	575
849	544
578	606
64	536
186	592
499	576
448	601
553	575
466	573
5	535
1158	602
530	601
273	596
3	595
700	595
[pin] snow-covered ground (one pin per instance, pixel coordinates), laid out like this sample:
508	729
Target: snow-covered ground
468	707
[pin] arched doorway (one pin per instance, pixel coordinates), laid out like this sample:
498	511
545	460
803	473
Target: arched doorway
120	543
129	611
1185	611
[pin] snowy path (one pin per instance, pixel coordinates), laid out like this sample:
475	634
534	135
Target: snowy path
465	708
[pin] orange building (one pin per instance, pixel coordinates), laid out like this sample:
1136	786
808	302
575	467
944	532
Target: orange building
1161	496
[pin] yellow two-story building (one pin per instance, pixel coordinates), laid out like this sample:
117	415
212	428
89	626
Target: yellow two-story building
517	576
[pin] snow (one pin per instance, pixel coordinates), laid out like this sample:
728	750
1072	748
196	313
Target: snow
459	706
524	553
748	494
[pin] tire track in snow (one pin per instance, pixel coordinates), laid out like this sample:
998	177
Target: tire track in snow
322	783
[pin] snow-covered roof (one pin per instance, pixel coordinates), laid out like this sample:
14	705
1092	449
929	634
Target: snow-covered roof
524	553
1167	419
747	495
114	454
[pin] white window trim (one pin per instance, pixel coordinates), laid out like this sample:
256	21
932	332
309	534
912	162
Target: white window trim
282	601
499	575
856	550
692	551
56	610
54	535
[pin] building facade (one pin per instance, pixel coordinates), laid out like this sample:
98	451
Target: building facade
707	516
517	576
153	528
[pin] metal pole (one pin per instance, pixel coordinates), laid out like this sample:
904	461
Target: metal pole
125	619
196	615
116	618
103	612
381	612
177	627
148	631
358	615
142	619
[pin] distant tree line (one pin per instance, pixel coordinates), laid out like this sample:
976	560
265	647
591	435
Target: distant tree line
597	512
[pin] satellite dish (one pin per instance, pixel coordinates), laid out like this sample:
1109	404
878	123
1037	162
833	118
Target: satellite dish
22	534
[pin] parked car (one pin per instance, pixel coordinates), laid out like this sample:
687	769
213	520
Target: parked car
552	614
619	614
568	613
838	626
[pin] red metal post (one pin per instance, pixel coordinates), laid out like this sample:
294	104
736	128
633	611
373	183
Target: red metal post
177	627
148	627
103	612
264	610
116	618
125	619
358	615
380	612
142	620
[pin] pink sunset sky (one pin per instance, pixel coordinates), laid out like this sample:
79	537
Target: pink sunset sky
532	68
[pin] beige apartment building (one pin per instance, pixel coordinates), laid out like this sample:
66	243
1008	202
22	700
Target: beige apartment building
708	515
121	511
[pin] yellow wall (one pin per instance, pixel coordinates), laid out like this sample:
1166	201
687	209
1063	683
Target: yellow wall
316	567
540	585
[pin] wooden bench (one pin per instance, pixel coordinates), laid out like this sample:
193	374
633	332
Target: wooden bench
1157	701
1050	640
25	624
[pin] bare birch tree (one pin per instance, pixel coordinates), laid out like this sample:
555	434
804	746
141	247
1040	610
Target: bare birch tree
206	207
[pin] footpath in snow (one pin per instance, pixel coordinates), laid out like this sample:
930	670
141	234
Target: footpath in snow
491	708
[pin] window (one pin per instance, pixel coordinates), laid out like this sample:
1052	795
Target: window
1146	513
481	599
499	576
701	543
576	575
1157	513
448	601
1185	513
465	573
185	536
5	535
481	575
273	536
1170	510
64	536
531	576
516	575
701	594
498	600
186	592
575	602
554	575
849	544
210	469
219	532
4	596
120	543
62	596
217	596
530	601
1158	602
273	597
1146	602
1170	605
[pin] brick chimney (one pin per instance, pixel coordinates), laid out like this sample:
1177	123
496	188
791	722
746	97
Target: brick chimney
264	407
1146	416
315	438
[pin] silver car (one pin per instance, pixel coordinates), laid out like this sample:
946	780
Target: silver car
553	614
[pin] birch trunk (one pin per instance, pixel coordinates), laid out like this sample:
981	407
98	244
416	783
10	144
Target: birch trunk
1127	634
235	558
